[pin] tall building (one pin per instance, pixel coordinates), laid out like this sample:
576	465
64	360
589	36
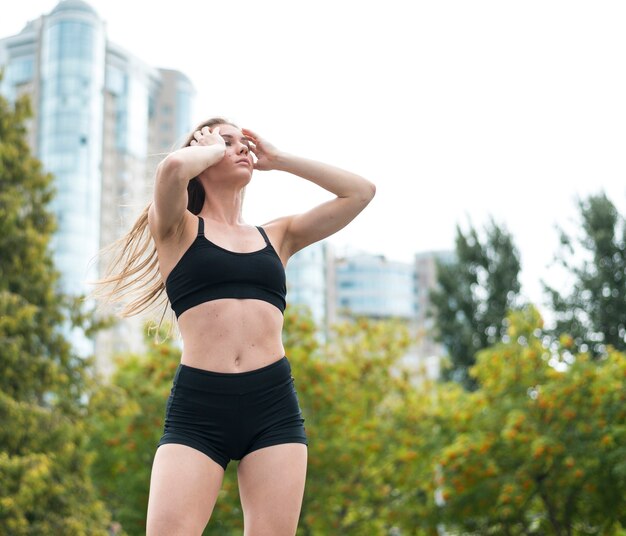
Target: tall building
99	112
59	61
372	285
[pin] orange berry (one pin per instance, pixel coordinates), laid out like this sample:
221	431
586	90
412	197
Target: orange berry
606	440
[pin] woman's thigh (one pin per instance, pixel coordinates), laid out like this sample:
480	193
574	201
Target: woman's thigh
271	488
183	489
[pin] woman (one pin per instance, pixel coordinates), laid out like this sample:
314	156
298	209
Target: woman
233	395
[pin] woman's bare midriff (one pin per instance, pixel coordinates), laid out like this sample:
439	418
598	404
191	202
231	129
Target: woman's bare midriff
231	335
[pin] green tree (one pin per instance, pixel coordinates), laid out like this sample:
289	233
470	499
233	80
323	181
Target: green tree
357	477
126	421
45	487
594	309
539	448
473	296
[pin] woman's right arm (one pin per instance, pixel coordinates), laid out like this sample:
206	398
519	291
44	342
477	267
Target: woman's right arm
173	174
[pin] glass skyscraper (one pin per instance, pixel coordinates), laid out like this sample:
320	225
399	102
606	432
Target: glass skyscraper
99	112
69	137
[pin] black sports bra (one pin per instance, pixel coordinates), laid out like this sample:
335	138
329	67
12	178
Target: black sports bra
208	272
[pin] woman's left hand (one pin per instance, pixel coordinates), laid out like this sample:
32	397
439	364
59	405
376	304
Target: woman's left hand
266	154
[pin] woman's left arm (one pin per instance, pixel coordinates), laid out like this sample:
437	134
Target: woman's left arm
353	195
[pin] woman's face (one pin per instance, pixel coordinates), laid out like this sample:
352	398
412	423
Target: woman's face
237	164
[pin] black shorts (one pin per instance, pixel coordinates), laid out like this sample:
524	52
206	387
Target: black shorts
228	415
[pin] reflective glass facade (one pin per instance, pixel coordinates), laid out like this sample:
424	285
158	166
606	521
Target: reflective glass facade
70	137
18	71
95	107
128	93
83	88
370	285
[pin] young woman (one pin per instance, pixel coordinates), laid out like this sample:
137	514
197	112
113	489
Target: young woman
233	395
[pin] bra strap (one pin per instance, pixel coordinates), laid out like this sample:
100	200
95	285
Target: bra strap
200	226
262	231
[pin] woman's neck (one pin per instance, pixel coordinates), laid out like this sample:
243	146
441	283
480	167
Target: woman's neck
223	207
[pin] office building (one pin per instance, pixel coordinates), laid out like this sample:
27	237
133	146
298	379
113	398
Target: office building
374	286
99	112
336	288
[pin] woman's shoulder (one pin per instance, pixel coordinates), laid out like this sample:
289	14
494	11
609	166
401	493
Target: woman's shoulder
277	227
188	224
277	232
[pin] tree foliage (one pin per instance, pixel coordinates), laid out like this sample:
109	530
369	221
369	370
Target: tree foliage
349	393
45	488
473	296
540	447
536	449
44	484
593	310
126	421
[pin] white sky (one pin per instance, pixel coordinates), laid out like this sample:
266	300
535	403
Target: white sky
457	110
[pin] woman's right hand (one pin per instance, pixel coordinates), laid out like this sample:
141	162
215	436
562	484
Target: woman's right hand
206	137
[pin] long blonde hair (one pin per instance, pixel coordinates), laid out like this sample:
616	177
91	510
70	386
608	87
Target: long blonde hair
132	277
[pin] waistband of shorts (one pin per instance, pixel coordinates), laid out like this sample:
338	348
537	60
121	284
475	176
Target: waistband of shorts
240	382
